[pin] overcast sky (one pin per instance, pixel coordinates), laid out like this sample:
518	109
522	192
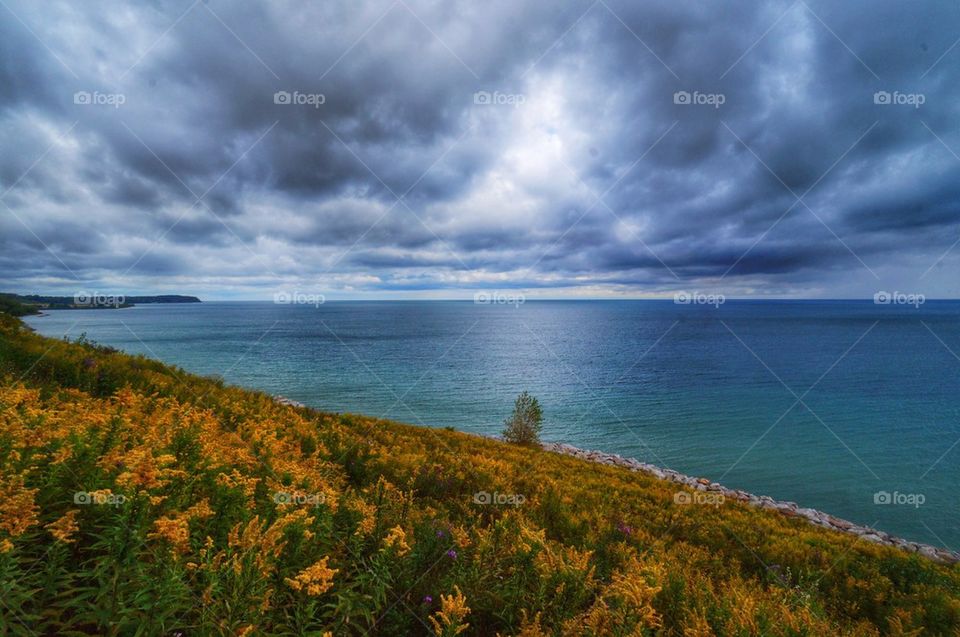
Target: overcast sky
414	148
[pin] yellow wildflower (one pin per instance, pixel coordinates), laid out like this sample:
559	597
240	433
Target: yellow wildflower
143	470
63	528
316	579
235	479
530	537
563	559
460	536
18	511
265	542
63	454
448	621
369	515
199	510
174	530
697	626
397	540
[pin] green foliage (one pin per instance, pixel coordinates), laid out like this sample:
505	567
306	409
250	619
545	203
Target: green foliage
524	424
12	305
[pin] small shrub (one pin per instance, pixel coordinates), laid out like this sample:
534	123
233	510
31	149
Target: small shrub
524	424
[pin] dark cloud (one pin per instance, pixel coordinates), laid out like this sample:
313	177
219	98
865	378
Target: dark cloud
616	147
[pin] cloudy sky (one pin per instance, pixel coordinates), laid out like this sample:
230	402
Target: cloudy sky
418	148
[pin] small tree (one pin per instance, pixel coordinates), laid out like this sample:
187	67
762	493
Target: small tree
524	424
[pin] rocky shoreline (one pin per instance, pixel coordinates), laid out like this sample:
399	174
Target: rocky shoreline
289	402
791	509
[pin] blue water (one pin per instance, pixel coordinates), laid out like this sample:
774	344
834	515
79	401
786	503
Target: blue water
706	391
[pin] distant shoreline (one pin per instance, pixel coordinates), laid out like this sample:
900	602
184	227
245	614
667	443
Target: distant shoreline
35	304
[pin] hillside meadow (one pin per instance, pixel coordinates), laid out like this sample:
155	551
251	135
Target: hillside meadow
138	499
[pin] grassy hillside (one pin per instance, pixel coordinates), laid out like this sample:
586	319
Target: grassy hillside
139	499
14	306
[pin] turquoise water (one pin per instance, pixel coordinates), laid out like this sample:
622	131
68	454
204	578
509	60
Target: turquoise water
706	391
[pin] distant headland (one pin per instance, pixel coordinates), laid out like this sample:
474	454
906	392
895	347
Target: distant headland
25	304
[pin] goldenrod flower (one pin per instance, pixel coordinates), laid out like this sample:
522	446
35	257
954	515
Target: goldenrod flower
397	540
368	512
64	527
316	579
448	621
199	510
18	511
174	530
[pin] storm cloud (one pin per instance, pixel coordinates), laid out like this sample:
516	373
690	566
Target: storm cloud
598	148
